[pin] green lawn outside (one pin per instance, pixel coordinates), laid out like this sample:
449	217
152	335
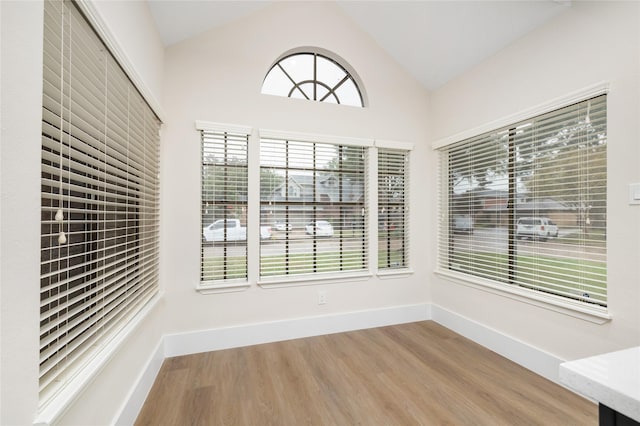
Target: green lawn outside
307	263
595	237
300	263
213	268
394	261
591	275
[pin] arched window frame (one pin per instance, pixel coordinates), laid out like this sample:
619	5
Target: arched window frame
329	93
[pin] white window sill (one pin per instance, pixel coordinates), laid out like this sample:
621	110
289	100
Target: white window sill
215	287
313	279
52	409
584	311
384	274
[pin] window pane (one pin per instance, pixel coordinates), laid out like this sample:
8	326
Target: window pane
331	99
316	209
329	73
327	157
299	67
393	233
276	82
298	155
294	77
100	199
306	89
348	94
526	205
321	92
224	206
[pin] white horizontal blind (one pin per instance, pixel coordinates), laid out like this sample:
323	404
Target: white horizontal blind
224	206
525	205
313	197
99	228
393	208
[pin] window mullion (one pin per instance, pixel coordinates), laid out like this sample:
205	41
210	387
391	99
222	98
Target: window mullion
340	199
225	191
315	77
287	253
253	210
512	250
333	90
314	235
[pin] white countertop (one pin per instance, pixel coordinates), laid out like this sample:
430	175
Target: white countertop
612	379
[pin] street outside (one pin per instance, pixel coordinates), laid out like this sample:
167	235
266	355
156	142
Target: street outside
495	240
277	245
489	239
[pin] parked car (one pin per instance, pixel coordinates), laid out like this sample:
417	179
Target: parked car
283	226
536	227
320	228
463	223
234	232
216	231
265	232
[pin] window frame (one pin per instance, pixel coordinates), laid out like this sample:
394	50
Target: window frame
226	284
586	311
405	149
313	79
253	212
315	277
106	187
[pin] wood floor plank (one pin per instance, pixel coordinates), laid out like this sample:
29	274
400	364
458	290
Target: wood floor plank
409	374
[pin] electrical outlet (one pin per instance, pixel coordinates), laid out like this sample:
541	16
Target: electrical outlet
322	297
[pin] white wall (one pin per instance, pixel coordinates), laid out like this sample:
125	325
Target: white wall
131	31
21	86
217	77
591	43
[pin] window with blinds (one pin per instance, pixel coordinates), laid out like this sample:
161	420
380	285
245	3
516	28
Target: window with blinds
313	197
224	205
525	205
99	190
393	209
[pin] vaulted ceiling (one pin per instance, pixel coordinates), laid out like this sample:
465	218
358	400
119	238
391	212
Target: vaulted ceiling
434	40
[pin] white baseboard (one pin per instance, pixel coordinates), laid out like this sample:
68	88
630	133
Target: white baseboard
530	357
253	334
136	398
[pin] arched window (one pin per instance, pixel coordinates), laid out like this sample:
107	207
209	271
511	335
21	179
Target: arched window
312	76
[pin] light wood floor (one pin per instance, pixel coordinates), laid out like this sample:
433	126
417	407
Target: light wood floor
410	374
